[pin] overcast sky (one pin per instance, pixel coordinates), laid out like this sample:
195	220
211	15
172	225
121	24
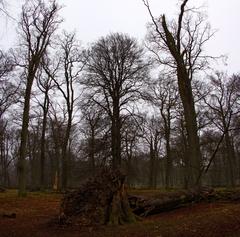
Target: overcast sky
95	18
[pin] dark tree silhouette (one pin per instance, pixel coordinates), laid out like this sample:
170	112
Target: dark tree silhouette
115	74
163	94
38	23
179	45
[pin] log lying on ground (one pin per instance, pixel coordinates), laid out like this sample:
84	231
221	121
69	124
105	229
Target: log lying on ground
230	195
145	206
2	190
9	215
102	200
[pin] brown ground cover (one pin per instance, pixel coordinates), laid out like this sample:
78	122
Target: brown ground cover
36	215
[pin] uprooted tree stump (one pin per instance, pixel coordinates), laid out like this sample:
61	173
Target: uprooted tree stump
101	200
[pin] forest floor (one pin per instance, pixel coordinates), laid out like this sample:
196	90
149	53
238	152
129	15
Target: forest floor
36	213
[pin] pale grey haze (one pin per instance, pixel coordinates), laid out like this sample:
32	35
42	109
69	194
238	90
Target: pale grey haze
95	18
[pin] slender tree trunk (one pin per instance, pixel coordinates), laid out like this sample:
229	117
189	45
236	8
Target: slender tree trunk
1	161
168	178
184	155
167	129
56	169
65	157
230	158
6	163
129	152
116	137
92	151
42	156
33	155
22	179
152	170
57	155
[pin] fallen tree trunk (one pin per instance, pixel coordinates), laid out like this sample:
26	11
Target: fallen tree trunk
103	200
231	195
145	206
2	190
9	215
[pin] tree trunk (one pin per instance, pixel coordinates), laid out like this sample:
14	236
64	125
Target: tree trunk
167	130
22	179
151	168
92	151
168	177
116	137
1	160
153	164
56	157
44	126
230	158
145	206
65	156
186	95
6	163
194	154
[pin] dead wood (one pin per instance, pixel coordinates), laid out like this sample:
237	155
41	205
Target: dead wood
145	206
9	215
2	190
101	200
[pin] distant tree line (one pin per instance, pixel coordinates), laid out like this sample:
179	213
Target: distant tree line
160	112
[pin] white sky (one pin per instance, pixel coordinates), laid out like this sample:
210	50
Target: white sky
95	18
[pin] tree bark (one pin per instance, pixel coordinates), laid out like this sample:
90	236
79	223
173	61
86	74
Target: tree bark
168	177
146	206
186	95
65	155
44	126
167	129
231	160
24	133
116	136
153	161
92	150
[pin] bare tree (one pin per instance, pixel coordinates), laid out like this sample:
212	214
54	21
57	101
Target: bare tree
115	74
163	94
153	136
3	8
224	106
94	128
57	131
8	149
44	84
131	135
38	23
179	45
72	63
8	90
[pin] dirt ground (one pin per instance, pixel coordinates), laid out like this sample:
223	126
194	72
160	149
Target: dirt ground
36	213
